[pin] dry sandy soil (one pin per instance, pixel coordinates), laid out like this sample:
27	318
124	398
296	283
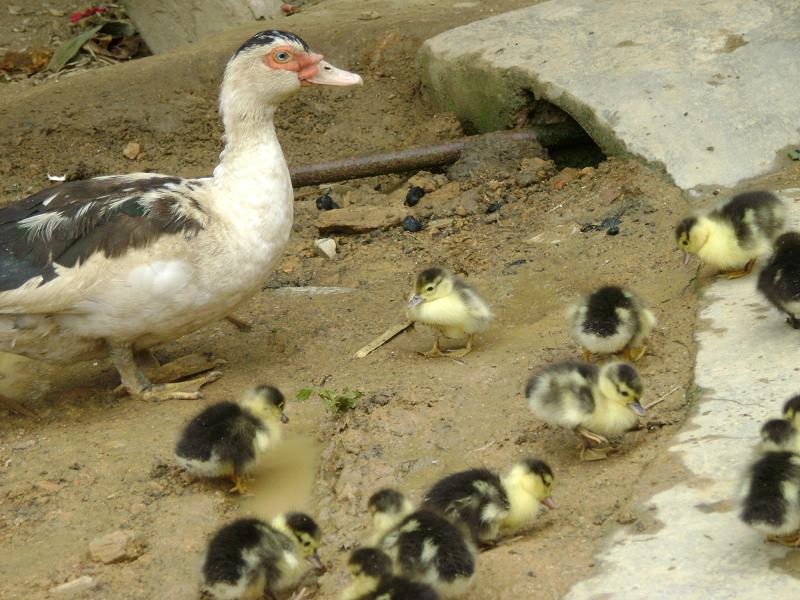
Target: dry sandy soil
95	463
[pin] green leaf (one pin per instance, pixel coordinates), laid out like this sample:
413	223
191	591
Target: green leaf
70	48
304	394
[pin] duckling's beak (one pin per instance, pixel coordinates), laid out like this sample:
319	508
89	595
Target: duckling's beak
316	562
284	418
686	258
550	503
637	408
414	301
315	70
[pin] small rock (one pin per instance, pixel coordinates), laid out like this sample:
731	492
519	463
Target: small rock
412	224
428	181
23	445
325	247
325	202
73	586
359	219
131	150
626	518
587	171
47	485
369	15
527	178
117	546
494	207
567	174
413	196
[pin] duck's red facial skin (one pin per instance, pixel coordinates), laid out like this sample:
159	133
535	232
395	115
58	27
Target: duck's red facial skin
305	64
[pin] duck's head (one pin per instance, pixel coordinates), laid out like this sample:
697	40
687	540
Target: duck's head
432	283
270	67
304	532
534	477
620	382
691	234
265	402
778	435
791	411
367	567
388	507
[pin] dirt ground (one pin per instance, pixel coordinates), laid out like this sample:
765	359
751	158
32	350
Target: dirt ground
95	463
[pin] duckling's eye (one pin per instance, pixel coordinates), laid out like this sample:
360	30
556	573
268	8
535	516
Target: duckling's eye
282	56
625	393
429	288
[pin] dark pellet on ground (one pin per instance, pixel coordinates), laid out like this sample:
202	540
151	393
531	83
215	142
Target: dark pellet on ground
414	194
494	207
412	224
325	202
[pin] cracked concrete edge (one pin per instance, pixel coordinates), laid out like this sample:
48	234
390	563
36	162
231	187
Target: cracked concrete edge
747	368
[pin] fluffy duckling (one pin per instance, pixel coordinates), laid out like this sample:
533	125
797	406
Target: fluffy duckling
227	439
426	548
387	507
610	320
732	236
484	503
595	402
448	305
250	557
779	281
770	496
791	411
372	579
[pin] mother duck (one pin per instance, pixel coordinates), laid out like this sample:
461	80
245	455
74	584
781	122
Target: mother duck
113	265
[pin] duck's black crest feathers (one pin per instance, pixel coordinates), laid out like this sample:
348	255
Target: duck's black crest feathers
265	38
225	429
66	224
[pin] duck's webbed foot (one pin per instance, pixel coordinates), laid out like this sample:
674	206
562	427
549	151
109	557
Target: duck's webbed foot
633	354
462	351
137	384
435	351
239	485
791	540
594	446
742	272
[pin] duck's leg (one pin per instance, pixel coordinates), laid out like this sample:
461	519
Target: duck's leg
240	324
16	407
435	351
239	486
587	356
742	272
594	438
463	351
137	384
192	364
633	354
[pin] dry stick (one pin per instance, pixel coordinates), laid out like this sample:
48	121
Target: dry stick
416	159
661	398
383	338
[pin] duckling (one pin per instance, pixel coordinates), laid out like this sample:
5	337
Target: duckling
227	439
610	320
484	503
779	281
387	507
250	557
372	579
595	402
448	305
770	495
732	236
427	548
791	411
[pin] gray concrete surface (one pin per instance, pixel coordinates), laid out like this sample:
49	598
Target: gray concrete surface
166	24
704	89
747	363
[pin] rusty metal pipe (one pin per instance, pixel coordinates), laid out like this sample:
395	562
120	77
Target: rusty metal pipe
427	157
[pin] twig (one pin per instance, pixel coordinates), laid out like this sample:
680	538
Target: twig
383	338
484	447
662	398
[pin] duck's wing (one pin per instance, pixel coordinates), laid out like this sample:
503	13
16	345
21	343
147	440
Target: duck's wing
60	228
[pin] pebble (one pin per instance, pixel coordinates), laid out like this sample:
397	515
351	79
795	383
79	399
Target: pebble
369	15
325	247
412	224
131	150
117	546
79	584
413	196
358	219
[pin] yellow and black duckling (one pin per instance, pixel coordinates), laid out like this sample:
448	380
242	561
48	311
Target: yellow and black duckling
595	402
250	557
448	305
779	281
770	496
425	546
791	411
611	320
227	439
485	504
732	236
372	579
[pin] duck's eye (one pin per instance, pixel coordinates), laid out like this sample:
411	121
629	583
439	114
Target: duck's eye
429	288
624	393
282	56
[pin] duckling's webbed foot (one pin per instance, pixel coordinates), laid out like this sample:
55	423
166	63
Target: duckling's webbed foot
589	454
741	272
463	351
594	439
240	485
791	540
435	351
137	384
587	355
633	354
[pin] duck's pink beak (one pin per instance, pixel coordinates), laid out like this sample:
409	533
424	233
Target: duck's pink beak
314	70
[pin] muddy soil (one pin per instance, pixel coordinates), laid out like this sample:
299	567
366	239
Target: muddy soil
95	463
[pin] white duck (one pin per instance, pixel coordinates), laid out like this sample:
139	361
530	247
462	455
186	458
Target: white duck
117	264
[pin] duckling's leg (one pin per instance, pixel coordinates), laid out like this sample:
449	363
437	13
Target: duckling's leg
240	324
465	350
594	438
435	351
633	354
137	384
742	272
239	484
587	356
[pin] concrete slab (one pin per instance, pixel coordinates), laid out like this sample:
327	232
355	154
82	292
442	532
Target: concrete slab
747	365
705	89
